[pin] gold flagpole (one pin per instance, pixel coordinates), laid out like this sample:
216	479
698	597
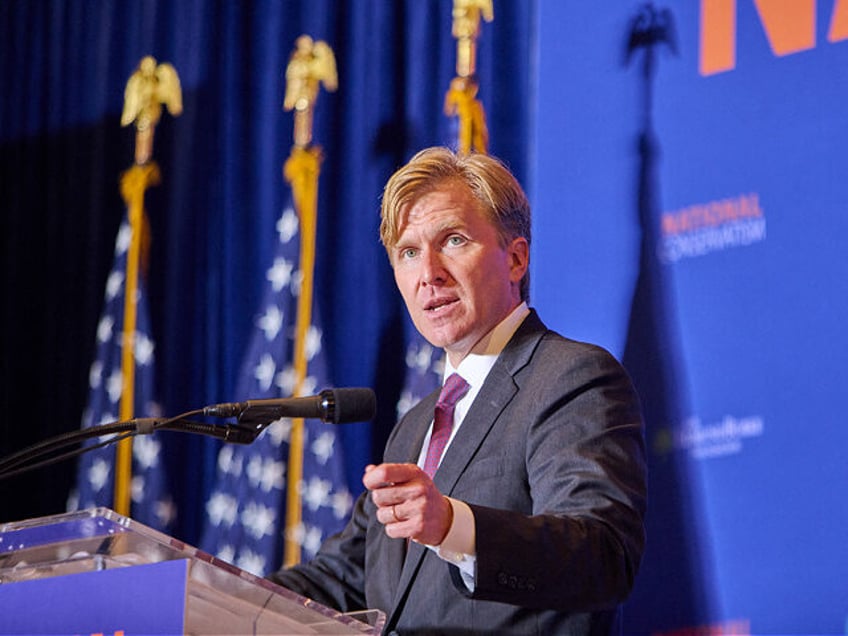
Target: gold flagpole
147	89
461	99
311	63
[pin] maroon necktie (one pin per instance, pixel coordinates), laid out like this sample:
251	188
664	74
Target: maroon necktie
453	390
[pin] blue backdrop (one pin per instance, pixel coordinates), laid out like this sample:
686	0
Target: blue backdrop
701	240
738	354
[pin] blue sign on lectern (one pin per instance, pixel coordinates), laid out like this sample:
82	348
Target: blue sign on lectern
143	599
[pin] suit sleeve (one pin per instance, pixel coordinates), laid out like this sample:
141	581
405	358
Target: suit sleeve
577	434
336	576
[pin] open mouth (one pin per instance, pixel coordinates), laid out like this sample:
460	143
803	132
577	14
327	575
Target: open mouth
435	306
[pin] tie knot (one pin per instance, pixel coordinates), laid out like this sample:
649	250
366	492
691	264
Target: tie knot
453	390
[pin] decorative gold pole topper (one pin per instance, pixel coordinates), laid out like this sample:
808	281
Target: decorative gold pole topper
466	29
149	87
461	99
311	63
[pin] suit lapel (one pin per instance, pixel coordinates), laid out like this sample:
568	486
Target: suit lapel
494	396
497	391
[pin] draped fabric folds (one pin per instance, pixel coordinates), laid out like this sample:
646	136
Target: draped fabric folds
65	65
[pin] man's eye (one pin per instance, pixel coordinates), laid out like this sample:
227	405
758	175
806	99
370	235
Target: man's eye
456	240
408	253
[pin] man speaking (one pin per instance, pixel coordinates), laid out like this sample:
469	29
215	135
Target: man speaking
512	500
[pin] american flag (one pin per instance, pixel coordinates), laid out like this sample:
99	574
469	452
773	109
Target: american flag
151	503
245	513
425	365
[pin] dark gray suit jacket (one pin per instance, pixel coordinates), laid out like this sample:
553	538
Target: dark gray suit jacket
551	460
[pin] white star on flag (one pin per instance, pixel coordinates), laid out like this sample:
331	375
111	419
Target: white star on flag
271	322
311	542
95	375
316	493
222	509
264	372
98	474
279	431
114	284
251	562
313	342
258	519
280	273
146	451
104	330
287	225
322	447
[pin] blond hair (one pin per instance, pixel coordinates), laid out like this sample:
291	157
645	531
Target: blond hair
488	179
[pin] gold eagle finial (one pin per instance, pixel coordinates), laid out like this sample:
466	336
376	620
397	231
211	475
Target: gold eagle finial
150	86
311	63
466	28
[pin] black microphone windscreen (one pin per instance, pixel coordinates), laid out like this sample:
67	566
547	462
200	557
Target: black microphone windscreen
354	405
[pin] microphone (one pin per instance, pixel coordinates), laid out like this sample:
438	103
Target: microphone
338	406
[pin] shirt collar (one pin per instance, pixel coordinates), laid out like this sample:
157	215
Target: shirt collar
477	364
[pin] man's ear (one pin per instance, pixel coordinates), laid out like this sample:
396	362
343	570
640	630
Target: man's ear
518	252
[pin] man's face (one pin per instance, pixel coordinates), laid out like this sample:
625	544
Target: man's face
458	282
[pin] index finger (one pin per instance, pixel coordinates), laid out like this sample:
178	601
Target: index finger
385	475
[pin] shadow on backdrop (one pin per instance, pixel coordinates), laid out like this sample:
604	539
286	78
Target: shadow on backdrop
672	590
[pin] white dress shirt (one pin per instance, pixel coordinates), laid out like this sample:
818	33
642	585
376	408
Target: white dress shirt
459	544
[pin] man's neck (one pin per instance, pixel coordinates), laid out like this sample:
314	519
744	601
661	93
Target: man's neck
493	342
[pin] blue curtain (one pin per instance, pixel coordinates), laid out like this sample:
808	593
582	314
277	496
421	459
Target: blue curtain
64	66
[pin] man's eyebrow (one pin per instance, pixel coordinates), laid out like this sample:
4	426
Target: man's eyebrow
450	225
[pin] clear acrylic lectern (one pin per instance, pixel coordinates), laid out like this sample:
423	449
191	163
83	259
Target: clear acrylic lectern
97	572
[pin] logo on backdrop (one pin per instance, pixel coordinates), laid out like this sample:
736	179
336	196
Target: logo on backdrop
708	440
714	226
790	27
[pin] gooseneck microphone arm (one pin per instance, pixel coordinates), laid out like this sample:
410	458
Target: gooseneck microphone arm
44	454
26	459
252	417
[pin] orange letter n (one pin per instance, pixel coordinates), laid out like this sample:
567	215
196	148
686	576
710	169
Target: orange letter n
790	26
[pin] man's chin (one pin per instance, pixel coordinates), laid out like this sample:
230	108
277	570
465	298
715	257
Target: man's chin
435	337
441	332
453	344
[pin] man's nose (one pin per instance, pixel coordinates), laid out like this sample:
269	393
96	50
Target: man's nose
433	271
